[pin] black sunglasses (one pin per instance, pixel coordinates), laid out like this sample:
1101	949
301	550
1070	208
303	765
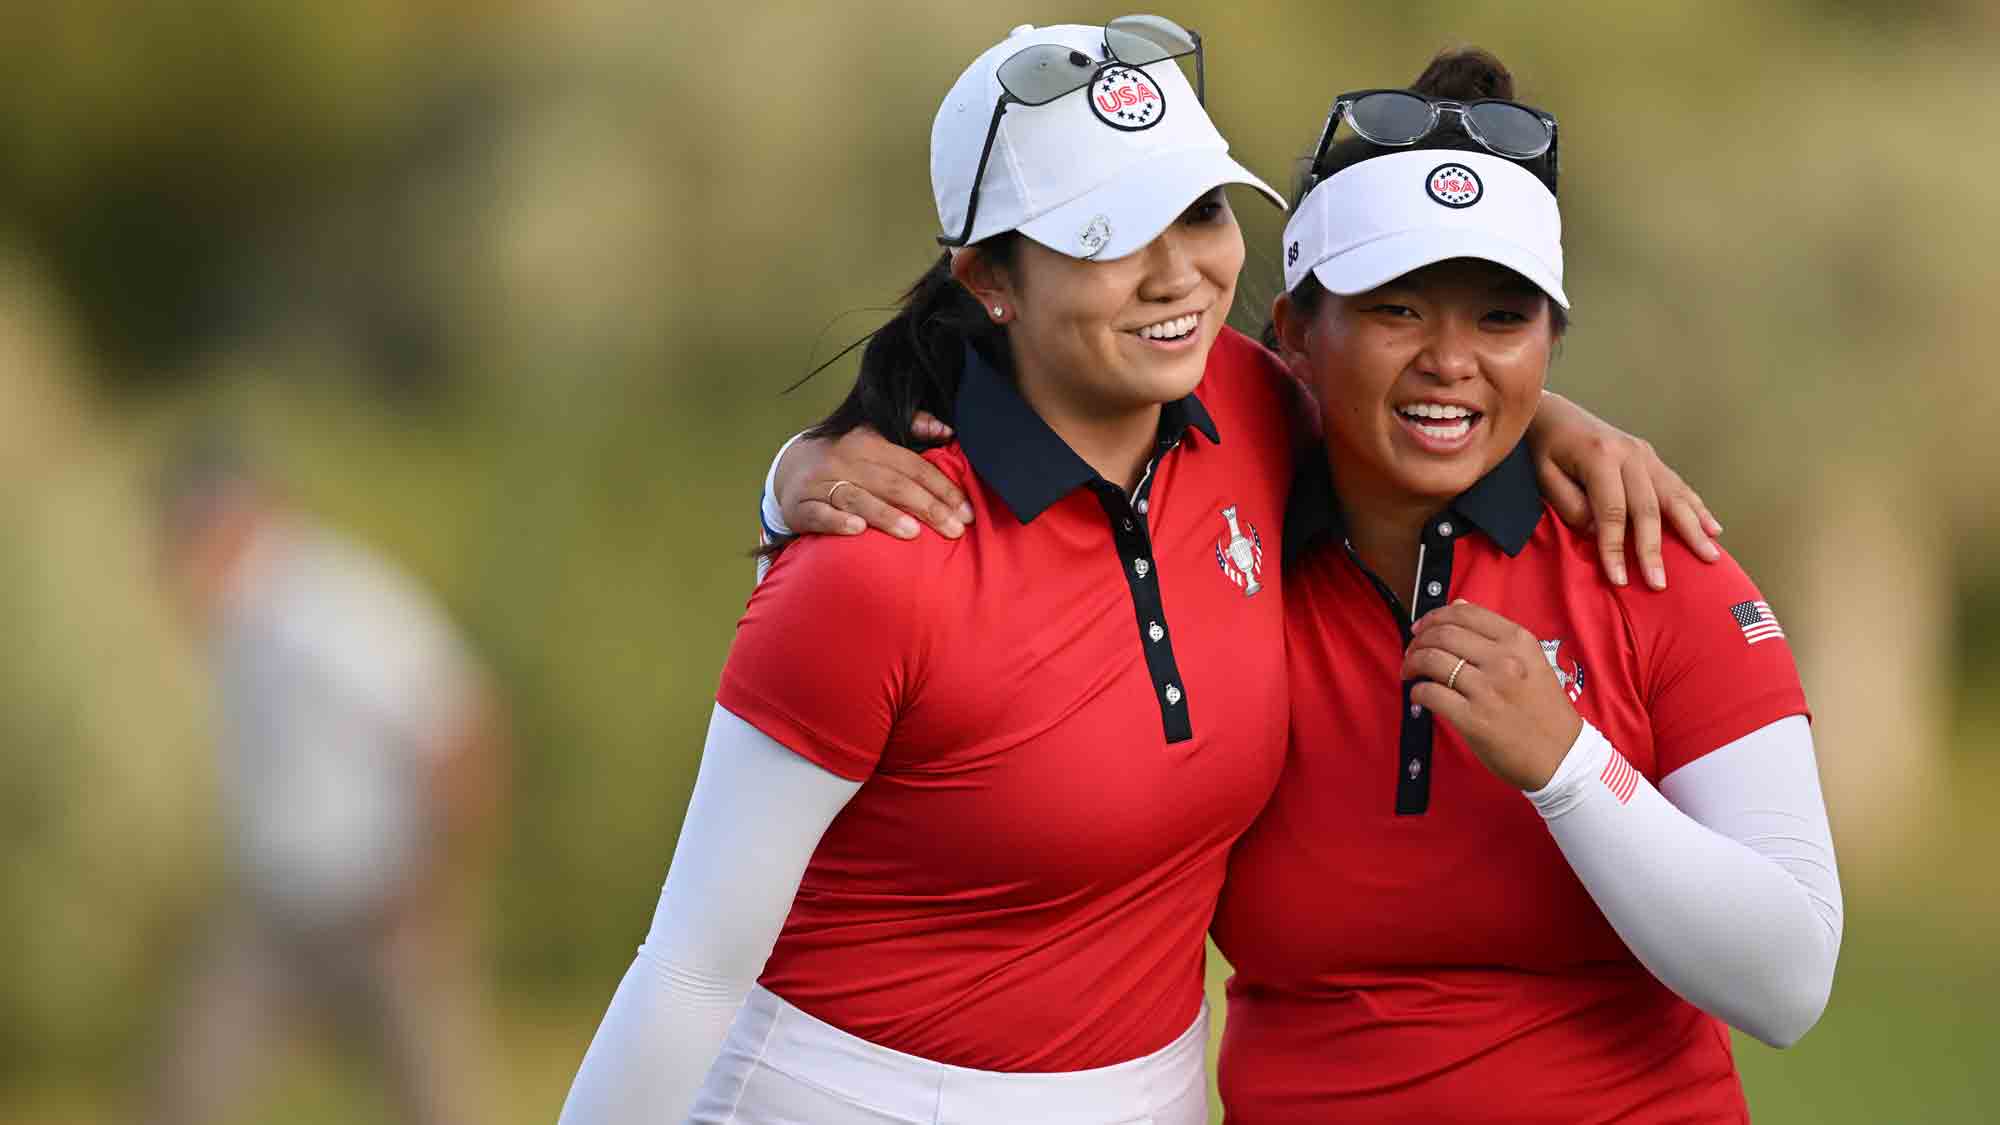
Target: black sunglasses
1042	73
1400	118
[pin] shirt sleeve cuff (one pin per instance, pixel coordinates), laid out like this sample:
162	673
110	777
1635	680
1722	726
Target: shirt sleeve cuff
1584	761
772	516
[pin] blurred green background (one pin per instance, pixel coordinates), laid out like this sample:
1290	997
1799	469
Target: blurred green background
511	290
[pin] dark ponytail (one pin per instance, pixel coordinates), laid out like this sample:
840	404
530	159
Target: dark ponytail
914	361
1458	74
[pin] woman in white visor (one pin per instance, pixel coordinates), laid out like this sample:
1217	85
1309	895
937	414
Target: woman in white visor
1539	837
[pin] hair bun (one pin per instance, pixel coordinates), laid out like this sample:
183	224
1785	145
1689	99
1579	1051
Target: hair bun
1465	74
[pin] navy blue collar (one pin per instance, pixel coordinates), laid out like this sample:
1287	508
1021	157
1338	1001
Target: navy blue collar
1505	504
1020	457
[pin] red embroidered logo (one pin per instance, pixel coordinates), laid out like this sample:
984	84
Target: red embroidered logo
1126	99
1454	185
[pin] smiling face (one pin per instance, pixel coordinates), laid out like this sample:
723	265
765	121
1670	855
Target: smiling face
1425	383
1097	340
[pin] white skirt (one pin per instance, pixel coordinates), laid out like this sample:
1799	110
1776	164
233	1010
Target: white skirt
780	1066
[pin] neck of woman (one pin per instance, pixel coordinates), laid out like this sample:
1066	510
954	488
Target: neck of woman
1117	441
1385	528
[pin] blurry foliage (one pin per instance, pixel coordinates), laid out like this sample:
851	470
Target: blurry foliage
510	292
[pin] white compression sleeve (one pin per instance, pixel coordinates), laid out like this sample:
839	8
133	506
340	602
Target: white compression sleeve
1722	881
757	814
771	517
769	512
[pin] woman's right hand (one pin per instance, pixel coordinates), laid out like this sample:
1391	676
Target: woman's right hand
885	485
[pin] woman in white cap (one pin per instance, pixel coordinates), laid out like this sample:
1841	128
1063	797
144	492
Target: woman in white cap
965	805
1539	837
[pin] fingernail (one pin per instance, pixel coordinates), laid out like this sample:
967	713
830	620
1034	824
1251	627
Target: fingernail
952	529
1709	551
1656	577
1618	574
965	513
1460	601
853	526
906	528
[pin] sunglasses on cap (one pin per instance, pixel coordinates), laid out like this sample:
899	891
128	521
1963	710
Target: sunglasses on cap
1042	73
1401	118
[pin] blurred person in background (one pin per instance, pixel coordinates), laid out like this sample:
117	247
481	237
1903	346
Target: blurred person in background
358	760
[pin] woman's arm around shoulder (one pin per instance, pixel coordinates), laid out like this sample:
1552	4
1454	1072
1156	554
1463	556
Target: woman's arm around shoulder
845	485
1246	378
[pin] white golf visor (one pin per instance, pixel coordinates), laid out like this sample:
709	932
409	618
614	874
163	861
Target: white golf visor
1375	221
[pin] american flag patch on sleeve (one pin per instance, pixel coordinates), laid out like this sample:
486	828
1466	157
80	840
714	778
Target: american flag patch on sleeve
1619	777
1756	621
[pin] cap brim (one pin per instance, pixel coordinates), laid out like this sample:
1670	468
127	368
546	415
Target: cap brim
1139	203
1361	268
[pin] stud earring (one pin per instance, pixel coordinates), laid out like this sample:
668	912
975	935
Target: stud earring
998	312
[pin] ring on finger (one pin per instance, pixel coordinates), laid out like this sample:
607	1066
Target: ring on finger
1452	680
837	486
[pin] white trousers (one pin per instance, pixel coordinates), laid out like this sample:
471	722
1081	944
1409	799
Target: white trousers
780	1066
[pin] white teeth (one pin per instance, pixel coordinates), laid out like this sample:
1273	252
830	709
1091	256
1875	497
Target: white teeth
1446	433
1434	410
1171	329
1446	423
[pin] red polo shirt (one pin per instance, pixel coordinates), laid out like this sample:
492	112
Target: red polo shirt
1409	943
1061	722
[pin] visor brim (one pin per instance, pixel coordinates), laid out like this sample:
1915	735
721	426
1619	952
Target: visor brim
1140	202
1380	261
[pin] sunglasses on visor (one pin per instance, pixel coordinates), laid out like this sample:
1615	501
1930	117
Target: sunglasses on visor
1400	118
1042	73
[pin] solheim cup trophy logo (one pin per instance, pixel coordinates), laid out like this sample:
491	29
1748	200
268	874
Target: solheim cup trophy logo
1572	680
1240	556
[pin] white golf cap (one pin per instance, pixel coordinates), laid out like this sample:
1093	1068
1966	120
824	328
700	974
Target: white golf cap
1096	173
1375	221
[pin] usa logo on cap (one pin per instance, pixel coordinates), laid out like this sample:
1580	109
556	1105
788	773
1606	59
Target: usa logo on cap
1454	185
1126	99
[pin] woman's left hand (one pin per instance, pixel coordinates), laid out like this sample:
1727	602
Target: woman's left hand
1487	677
1595	474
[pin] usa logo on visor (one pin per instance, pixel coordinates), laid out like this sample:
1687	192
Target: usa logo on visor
1127	99
1454	185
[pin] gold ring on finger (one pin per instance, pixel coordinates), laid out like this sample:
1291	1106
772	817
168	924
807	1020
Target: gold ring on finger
1452	680
837	486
